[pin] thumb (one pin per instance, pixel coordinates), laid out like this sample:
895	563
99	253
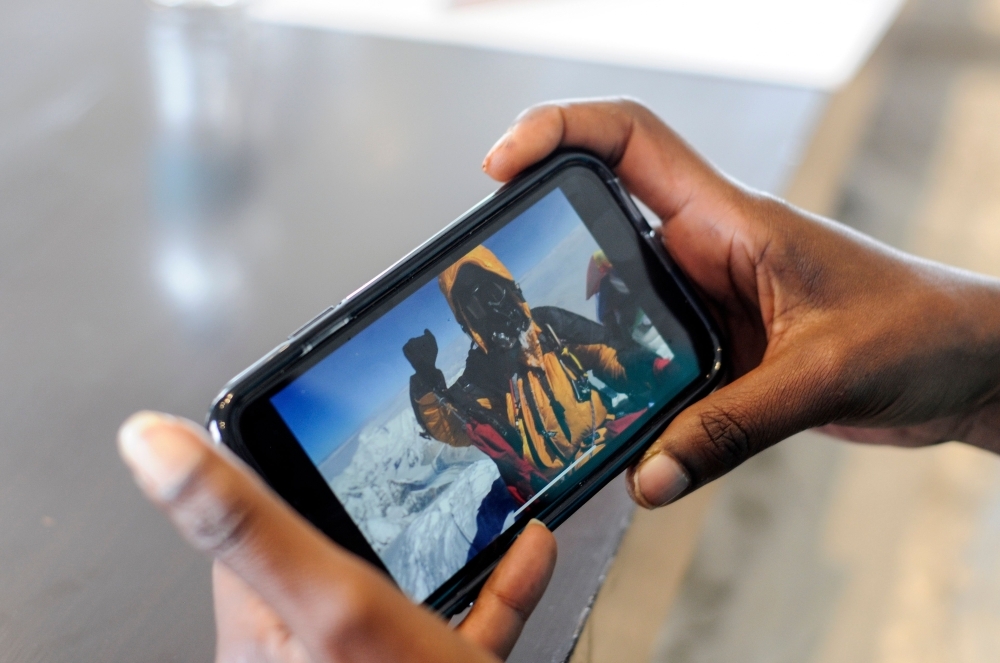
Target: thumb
512	592
768	404
431	341
339	606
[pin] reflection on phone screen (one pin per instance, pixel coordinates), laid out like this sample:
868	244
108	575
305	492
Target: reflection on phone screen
492	386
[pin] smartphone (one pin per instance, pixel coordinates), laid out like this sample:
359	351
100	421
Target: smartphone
505	370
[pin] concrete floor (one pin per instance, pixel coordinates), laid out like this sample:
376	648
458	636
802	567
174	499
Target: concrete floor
816	550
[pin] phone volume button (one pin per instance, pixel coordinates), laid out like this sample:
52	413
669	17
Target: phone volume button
310	323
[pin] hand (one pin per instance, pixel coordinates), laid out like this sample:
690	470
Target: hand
284	593
828	327
421	351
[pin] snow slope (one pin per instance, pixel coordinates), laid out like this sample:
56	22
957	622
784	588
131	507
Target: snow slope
395	474
415	500
436	543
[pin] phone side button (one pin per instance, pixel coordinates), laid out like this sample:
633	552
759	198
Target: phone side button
627	199
301	329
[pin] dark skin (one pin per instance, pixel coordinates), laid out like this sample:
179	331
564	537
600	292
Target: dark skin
827	328
284	593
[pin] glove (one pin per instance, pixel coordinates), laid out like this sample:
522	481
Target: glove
421	351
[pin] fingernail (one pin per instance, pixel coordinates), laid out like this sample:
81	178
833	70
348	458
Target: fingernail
536	521
160	452
496	146
660	479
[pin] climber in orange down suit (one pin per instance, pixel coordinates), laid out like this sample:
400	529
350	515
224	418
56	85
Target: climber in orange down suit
525	398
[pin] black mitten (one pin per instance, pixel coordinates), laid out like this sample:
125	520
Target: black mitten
421	351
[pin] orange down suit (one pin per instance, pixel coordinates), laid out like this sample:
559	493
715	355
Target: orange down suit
534	415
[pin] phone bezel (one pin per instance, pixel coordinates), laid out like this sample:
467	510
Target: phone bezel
257	434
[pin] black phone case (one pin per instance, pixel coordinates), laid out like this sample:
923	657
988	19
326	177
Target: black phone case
457	593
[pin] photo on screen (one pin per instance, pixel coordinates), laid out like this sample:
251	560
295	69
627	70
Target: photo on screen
485	390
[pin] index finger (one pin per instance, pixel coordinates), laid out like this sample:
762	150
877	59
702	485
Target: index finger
651	159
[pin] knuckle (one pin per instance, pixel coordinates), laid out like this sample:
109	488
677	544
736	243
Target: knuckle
546	109
728	441
632	106
515	606
210	510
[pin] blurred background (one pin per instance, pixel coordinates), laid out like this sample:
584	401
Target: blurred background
821	551
184	183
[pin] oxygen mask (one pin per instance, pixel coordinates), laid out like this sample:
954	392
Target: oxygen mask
493	307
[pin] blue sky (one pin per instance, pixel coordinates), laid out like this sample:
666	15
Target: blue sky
335	398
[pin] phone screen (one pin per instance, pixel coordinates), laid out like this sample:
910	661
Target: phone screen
490	385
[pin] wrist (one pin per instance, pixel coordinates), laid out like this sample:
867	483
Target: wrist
981	428
977	330
423	382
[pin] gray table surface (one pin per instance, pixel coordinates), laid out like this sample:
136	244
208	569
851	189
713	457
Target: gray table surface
175	197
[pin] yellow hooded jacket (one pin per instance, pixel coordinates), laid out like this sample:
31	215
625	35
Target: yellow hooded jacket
547	398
